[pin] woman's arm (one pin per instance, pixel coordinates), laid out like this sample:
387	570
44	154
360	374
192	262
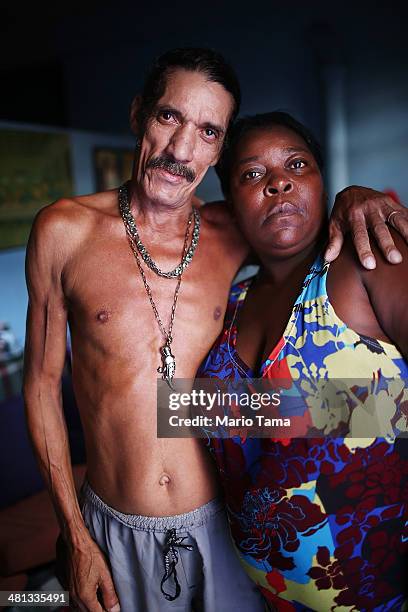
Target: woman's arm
388	293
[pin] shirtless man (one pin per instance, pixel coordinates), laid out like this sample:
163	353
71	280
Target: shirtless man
81	269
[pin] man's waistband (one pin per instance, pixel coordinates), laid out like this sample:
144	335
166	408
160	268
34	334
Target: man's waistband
185	521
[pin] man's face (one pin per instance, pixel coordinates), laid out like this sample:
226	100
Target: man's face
182	137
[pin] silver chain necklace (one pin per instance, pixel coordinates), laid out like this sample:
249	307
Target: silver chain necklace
168	367
131	229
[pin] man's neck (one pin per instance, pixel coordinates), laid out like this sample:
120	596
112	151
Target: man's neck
157	216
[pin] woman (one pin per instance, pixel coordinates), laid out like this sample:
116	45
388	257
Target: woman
318	522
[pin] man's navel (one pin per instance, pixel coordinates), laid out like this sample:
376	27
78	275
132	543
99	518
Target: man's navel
164	479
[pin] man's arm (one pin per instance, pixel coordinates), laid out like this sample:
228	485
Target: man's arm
44	362
359	209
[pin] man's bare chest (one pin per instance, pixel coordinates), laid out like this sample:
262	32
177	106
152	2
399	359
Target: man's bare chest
110	308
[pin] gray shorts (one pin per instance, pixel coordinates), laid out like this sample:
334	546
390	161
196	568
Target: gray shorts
180	563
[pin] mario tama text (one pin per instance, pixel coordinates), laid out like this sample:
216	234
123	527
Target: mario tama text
283	408
227	421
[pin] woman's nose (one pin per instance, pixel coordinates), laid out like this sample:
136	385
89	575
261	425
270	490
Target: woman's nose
276	186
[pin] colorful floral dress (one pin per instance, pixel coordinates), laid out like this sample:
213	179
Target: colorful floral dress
320	523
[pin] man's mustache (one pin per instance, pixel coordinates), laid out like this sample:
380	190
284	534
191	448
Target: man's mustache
172	166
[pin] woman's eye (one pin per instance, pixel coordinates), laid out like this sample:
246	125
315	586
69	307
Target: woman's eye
298	164
251	174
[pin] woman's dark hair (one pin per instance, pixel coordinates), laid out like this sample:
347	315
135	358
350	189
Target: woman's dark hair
263	122
209	62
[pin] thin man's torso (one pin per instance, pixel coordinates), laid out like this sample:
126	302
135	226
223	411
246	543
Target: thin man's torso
115	348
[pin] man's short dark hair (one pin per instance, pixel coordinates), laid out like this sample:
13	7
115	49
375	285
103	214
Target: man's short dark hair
262	121
208	62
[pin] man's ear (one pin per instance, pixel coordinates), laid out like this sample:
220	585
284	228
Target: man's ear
134	114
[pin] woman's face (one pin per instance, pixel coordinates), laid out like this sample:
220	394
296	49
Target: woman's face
277	191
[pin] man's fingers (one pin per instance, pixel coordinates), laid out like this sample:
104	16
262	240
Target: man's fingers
400	223
109	597
362	243
85	599
385	241
359	208
89	603
336	239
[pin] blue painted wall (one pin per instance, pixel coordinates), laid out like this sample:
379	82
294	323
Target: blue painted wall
13	294
13	300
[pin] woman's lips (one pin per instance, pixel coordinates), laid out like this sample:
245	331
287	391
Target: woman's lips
280	211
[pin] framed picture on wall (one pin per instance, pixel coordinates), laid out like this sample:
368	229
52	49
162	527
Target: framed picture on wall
113	166
35	171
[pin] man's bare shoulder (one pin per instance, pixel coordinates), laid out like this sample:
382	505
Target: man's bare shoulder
224	231
219	216
216	212
84	206
77	213
61	227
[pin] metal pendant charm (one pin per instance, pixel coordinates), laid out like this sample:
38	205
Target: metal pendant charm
168	367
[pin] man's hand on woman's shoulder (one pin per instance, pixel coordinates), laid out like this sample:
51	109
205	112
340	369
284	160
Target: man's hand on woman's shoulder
361	210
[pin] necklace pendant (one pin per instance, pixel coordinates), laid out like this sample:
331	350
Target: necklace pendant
168	367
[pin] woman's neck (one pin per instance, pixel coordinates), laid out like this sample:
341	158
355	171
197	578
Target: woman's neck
279	271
